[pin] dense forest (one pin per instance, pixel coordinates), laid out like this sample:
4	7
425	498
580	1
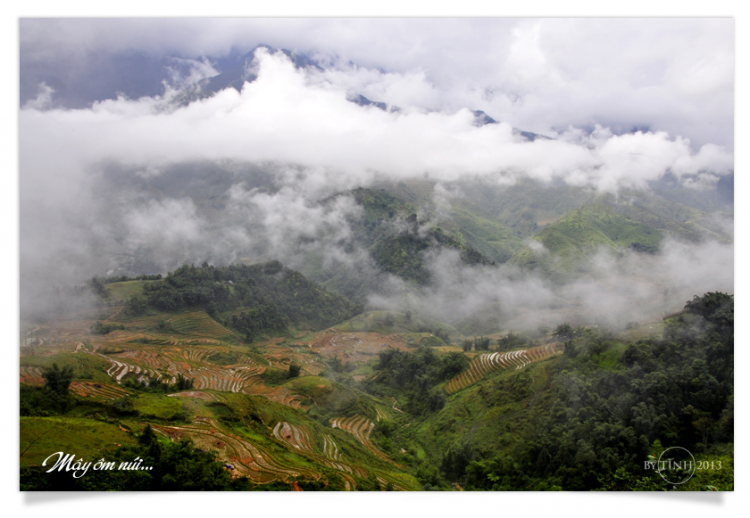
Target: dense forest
255	299
611	405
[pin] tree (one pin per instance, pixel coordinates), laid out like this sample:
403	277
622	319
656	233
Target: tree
137	305
183	383
456	460
57	385
57	381
564	331
97	285
389	320
99	328
150	443
482	344
294	370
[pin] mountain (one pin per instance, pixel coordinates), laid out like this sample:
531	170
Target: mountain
580	233
238	75
244	72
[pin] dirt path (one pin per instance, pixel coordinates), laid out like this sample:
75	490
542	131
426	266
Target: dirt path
113	315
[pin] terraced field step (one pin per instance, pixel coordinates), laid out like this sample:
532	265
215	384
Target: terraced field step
485	363
91	389
297	437
31	375
249	459
190	363
361	428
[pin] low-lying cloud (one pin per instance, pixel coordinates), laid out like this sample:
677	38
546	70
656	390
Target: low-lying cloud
300	129
617	290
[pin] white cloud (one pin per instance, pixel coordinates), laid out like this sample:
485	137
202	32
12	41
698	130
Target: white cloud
43	98
668	74
287	116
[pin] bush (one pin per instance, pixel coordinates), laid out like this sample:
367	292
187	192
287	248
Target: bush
102	329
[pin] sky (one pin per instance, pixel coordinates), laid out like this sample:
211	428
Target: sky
625	100
543	75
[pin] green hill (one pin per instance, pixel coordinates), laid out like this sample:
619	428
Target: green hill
396	239
509	213
258	299
580	233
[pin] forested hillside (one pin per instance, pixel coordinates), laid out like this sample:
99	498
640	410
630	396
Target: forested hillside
263	298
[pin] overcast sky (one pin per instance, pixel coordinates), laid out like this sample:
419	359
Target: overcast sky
626	100
543	75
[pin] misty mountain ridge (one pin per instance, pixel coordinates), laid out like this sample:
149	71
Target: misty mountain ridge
380	240
364	242
147	77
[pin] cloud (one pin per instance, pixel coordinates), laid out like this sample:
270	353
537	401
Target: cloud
616	290
284	116
78	217
186	72
43	98
674	75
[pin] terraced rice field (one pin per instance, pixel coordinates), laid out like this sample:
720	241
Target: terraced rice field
485	363
299	439
98	390
256	462
250	460
354	346
330	448
32	376
205	396
140	353
201	324
361	428
382	414
169	362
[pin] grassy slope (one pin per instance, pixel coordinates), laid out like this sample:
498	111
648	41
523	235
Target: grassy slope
580	233
124	290
375	321
42	436
494	414
85	366
521	210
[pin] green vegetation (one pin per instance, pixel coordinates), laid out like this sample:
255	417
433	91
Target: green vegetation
275	298
514	341
53	397
174	467
587	419
102	329
160	407
402	255
396	239
415	376
397	322
592	419
124	290
581	232
42	436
